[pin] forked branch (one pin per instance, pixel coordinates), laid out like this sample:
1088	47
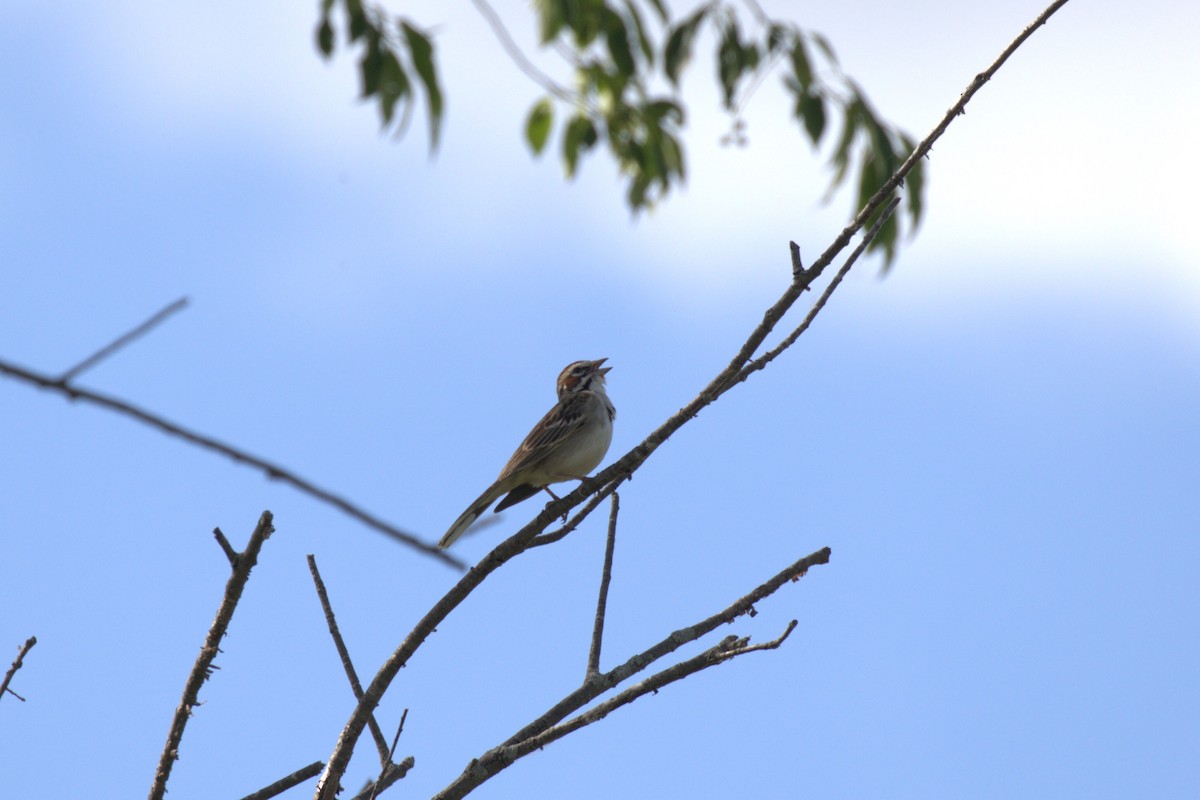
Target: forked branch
242	564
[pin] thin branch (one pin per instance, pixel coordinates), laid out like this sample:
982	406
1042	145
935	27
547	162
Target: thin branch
208	653
121	341
344	654
518	56
728	648
395	772
283	784
231	555
593	665
387	759
546	728
623	467
16	665
608	479
273	471
791	338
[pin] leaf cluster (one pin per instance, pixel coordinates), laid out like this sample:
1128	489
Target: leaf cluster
396	58
628	60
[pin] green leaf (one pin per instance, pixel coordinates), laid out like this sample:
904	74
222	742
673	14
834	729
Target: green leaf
661	8
360	25
578	139
392	85
552	16
325	37
537	127
679	45
640	29
421	50
801	68
730	61
370	67
826	47
812	108
617	38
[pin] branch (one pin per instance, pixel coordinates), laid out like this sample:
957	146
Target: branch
621	469
16	665
388	766
767	358
208	653
380	742
728	648
546	729
607	480
393	774
519	58
121	341
593	665
273	471
283	784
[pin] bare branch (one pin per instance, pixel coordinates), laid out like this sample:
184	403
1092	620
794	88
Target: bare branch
16	665
272	471
283	784
387	760
728	648
121	341
547	729
593	665
393	774
208	653
380	742
770	356
231	555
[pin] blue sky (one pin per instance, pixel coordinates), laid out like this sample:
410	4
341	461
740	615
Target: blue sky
999	441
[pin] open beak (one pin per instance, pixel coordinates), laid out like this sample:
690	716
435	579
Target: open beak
596	366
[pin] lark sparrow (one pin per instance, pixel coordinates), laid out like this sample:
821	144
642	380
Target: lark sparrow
567	444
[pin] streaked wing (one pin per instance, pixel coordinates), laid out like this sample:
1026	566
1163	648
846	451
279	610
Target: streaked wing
559	424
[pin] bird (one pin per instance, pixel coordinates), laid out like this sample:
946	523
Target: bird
568	443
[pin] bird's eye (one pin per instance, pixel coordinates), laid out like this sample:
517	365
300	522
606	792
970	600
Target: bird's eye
580	370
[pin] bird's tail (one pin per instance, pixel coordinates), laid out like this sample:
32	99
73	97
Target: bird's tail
470	515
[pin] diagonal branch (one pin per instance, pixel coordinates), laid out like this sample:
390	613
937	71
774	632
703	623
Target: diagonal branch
728	648
547	729
347	664
283	784
273	471
121	341
204	662
621	469
16	665
767	358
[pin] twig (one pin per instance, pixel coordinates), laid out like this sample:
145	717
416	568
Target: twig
728	648
208	653
16	665
121	341
273	471
347	664
283	784
791	338
593	665
395	772
546	728
519	58
387	759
